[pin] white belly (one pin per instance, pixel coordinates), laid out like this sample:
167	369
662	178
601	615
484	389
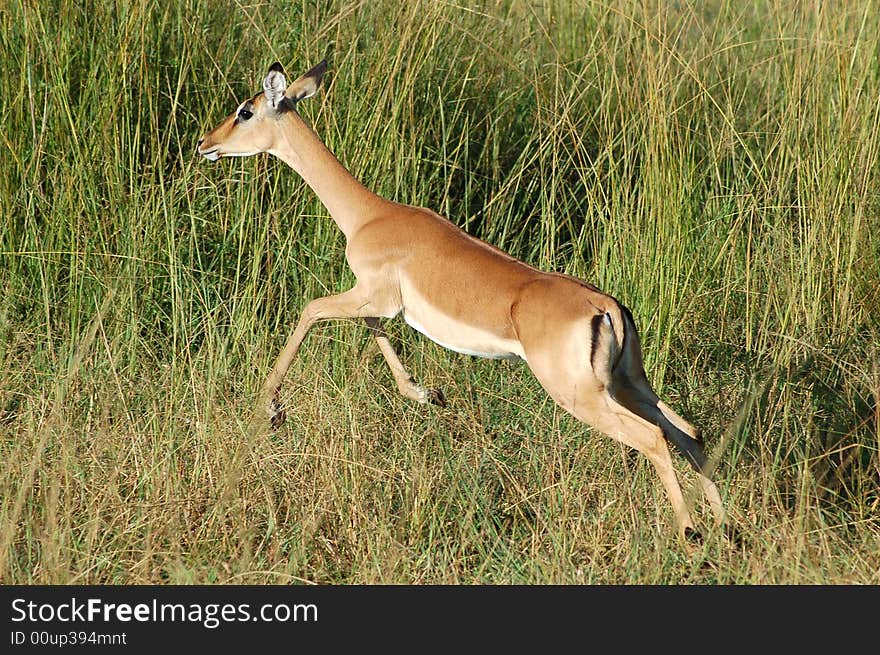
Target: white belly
465	339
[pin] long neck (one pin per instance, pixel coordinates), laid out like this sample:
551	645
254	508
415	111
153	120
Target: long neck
349	202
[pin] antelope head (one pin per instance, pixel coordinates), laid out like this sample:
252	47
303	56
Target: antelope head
255	126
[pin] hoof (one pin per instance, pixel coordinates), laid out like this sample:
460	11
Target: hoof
436	397
276	414
692	536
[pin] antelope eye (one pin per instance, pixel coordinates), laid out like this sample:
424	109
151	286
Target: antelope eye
244	114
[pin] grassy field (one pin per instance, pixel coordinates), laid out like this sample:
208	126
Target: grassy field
714	165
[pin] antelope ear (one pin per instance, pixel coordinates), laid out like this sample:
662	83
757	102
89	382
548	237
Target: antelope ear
307	85
275	84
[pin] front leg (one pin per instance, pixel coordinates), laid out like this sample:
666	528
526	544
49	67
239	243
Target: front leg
407	386
351	304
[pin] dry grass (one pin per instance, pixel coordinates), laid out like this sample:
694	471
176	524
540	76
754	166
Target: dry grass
713	165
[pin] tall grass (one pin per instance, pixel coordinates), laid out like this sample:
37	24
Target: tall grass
714	165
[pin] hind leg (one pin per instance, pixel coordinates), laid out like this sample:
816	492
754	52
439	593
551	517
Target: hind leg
648	439
714	498
661	458
710	491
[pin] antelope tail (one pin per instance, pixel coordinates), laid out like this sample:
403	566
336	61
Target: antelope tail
617	363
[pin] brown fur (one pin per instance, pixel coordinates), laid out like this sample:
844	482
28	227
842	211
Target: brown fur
580	343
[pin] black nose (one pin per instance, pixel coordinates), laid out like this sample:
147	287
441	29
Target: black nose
200	141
